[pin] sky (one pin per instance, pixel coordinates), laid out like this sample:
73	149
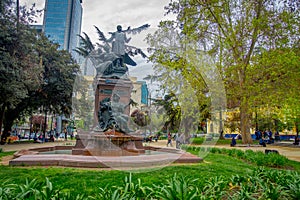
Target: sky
107	14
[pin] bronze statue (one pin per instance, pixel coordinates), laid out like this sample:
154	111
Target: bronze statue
111	55
111	115
118	40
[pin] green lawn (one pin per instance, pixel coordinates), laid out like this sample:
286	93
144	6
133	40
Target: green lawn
88	181
80	180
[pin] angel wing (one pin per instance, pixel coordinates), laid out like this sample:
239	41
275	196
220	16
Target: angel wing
136	30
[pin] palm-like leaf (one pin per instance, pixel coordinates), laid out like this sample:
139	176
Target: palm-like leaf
137	30
86	46
100	34
132	51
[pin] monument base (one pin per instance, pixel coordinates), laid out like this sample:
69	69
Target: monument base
110	143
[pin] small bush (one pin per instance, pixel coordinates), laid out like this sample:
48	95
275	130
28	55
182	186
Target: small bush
197	140
256	157
275	160
178	187
262	183
203	149
240	154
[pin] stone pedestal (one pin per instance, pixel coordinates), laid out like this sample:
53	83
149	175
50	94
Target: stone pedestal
106	87
109	144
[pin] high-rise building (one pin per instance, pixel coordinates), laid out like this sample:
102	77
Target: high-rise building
140	92
62	23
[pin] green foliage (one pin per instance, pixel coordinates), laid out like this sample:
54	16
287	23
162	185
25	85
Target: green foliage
253	43
7	189
83	106
197	140
261	183
132	190
173	111
258	158
24	51
176	188
2	153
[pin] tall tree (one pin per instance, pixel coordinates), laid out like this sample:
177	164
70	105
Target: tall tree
18	60
82	102
35	72
234	33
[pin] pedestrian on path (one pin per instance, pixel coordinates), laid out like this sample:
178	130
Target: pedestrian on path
169	140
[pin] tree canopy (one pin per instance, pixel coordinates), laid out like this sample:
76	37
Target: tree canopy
252	44
35	74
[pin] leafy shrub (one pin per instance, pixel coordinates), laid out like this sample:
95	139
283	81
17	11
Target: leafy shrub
262	183
202	149
275	160
293	186
7	190
178	187
257	157
197	140
215	188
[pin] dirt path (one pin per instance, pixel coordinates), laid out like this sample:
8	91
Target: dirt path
292	153
19	146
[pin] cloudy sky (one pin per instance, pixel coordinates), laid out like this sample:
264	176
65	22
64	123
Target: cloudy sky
107	14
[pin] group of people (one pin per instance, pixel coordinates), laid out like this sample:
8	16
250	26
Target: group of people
178	138
266	137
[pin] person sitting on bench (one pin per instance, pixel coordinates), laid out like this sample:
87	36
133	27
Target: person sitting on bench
233	142
262	142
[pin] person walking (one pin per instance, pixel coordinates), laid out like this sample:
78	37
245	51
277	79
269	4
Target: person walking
169	140
66	134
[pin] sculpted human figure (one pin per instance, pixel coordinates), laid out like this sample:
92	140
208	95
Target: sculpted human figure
118	45
111	115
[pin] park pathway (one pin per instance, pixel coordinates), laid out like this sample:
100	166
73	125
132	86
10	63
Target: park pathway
291	152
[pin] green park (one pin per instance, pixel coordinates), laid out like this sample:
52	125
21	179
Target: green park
218	117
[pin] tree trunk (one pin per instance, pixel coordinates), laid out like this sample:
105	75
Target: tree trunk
9	117
6	132
245	129
2	111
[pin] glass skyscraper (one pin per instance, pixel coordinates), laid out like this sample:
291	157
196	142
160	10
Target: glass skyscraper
62	23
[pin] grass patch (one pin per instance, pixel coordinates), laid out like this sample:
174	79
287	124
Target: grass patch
9	153
90	180
216	166
197	140
257	158
201	140
224	174
185	182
